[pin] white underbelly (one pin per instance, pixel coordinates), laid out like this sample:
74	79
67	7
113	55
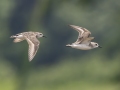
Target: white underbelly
82	47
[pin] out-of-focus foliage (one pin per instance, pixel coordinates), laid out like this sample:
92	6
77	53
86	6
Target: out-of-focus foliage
56	67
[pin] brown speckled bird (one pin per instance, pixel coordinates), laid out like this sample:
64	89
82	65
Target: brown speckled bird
84	40
32	39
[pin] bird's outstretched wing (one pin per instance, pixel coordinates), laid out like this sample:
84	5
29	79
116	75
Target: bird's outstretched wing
83	33
33	47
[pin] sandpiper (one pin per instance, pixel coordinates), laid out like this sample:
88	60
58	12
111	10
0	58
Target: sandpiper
84	40
32	39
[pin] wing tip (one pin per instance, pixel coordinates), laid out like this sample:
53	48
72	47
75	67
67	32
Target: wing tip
76	27
72	25
30	59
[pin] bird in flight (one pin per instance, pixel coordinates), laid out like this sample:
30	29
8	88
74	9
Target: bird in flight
32	39
84	40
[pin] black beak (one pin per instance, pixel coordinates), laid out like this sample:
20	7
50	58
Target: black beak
44	36
99	46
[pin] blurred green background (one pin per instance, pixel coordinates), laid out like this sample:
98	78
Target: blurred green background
56	67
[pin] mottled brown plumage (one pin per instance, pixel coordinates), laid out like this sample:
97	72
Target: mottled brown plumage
31	38
84	40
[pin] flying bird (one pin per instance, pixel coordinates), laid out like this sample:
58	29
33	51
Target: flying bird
84	40
32	39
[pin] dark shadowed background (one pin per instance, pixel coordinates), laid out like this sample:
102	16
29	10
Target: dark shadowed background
56	67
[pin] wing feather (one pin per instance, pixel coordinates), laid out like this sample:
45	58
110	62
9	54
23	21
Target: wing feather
33	47
83	33
77	28
87	40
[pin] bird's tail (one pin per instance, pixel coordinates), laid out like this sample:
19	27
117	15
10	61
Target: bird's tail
68	45
13	36
17	38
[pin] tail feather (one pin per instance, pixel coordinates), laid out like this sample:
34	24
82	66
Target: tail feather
18	38
13	36
68	45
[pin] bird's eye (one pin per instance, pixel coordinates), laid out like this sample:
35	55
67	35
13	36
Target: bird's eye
96	44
